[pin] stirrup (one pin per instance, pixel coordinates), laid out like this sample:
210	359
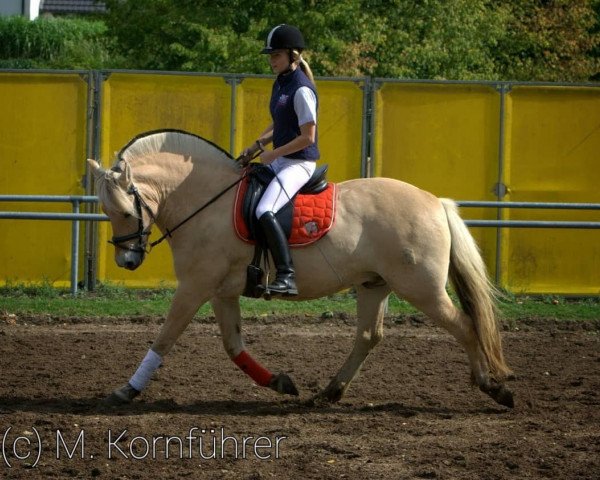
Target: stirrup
274	289
283	288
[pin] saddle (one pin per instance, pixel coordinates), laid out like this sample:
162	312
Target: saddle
305	219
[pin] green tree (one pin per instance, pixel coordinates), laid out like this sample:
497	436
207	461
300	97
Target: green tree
53	43
429	39
595	31
435	39
210	36
550	40
554	40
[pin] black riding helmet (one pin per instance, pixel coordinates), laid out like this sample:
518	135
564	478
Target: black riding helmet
285	37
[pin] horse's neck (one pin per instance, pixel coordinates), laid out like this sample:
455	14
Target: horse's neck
179	186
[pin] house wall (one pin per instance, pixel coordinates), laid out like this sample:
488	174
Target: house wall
29	8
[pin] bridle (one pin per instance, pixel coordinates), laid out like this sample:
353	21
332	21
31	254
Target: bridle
142	233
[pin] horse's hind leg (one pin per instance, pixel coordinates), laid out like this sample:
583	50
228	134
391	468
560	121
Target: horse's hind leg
227	313
370	307
439	307
443	312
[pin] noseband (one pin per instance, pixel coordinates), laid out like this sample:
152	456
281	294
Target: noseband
142	234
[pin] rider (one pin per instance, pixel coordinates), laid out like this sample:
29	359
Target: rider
294	135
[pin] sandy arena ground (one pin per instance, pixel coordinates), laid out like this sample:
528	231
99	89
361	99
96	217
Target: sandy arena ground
411	413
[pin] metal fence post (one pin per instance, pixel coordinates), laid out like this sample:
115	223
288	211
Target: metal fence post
372	112
91	228
233	82
74	249
366	128
87	180
500	189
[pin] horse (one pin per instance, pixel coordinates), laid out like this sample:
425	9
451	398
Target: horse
388	236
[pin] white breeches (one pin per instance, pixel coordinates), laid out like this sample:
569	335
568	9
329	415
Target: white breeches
290	176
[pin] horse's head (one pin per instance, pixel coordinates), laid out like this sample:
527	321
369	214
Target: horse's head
162	160
129	214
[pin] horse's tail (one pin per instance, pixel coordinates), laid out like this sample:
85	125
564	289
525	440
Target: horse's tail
477	295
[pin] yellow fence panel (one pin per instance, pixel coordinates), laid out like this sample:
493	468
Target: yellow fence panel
442	138
133	103
251	110
552	155
42	152
340	127
339	121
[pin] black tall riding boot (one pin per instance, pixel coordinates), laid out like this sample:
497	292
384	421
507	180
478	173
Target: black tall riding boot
276	240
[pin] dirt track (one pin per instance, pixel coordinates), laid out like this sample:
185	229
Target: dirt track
410	414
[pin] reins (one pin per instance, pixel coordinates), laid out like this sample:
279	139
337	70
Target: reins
207	204
139	203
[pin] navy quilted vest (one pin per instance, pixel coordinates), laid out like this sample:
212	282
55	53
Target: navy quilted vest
285	120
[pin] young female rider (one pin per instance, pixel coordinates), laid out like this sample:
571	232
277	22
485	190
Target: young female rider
294	135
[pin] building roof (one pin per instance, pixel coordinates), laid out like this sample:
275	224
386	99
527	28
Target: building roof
72	6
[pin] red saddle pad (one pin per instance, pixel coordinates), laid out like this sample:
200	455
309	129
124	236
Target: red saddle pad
313	215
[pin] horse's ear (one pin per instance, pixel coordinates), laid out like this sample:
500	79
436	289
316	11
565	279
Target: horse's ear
95	168
125	177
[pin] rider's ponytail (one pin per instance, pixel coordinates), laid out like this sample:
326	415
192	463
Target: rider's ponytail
303	64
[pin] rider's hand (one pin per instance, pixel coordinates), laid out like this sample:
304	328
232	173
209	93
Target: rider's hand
248	153
245	157
267	157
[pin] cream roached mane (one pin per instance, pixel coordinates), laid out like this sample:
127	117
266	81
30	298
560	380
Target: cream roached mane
111	186
388	236
172	141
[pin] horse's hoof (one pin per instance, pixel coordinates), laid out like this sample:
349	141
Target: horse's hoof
323	399
500	394
122	395
504	397
333	393
282	383
316	401
334	396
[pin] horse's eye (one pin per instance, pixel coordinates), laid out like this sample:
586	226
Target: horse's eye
127	215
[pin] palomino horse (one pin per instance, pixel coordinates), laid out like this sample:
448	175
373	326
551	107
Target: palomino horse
388	236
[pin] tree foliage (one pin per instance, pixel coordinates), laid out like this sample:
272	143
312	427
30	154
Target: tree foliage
453	39
546	40
550	40
52	43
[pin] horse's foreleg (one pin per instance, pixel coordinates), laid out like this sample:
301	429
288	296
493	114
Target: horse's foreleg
185	304
227	313
370	309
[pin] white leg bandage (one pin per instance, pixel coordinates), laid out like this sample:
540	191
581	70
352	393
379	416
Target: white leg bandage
144	373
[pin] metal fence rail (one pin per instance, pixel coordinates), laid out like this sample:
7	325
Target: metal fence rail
76	217
53	216
531	223
541	205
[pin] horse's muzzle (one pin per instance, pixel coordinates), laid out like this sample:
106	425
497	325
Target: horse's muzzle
129	259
